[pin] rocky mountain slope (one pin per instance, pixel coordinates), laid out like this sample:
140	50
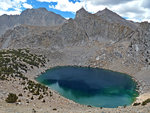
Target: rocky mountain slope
36	17
104	27
140	44
85	27
99	27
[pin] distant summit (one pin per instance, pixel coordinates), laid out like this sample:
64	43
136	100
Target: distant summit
113	17
32	11
109	15
81	12
35	17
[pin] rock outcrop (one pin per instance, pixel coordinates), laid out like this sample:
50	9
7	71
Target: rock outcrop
140	44
99	27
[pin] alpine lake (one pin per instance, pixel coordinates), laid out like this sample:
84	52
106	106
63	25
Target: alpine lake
91	86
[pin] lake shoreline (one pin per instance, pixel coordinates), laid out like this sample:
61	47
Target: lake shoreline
65	105
88	75
139	86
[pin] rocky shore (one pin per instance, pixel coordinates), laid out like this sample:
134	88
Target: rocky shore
80	57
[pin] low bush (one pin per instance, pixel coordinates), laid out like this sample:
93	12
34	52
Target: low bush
20	94
40	97
136	104
12	98
146	101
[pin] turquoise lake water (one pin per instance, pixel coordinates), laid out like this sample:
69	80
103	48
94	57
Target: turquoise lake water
91	86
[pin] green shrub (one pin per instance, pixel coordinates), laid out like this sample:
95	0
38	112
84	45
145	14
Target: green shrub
12	98
32	98
43	101
36	93
20	94
89	106
136	104
40	97
54	109
146	101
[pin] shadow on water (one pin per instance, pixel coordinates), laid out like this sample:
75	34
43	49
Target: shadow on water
91	86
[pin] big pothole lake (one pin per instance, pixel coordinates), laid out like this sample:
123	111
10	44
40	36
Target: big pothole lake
91	86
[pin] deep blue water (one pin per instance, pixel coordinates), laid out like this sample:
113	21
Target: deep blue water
91	86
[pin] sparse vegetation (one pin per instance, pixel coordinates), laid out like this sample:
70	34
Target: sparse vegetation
12	98
89	106
40	97
32	98
146	101
20	94
43	101
36	88
54	109
13	65
136	104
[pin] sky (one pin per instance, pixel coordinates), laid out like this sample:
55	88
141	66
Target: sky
135	10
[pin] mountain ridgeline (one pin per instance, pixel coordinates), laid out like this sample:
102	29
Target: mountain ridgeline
35	17
45	29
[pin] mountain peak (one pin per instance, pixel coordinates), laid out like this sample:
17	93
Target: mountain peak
106	11
31	11
42	9
34	17
113	17
81	12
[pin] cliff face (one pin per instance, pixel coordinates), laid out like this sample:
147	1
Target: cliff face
35	17
140	44
100	26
